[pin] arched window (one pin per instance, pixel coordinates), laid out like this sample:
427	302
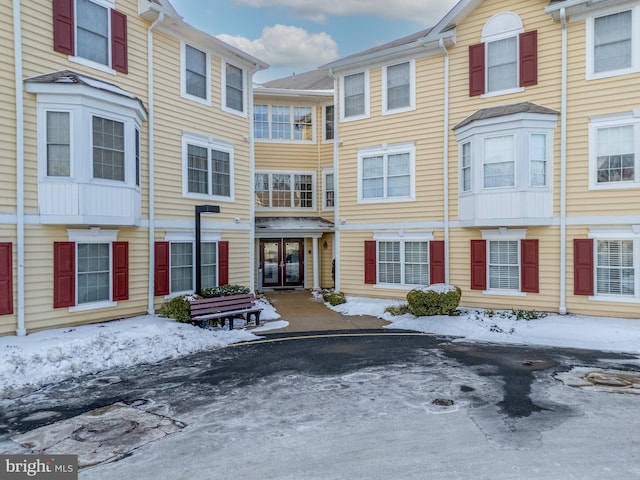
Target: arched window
506	59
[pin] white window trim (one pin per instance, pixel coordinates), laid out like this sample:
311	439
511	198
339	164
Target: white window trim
109	4
508	235
491	33
401	237
617	233
81	111
189	237
325	172
93	235
291	111
183	74
625	119
521	126
223	92
367	94
210	143
292	174
385	150
412	89
635	42
324	124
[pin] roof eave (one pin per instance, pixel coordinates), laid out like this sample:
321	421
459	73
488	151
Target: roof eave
426	46
572	7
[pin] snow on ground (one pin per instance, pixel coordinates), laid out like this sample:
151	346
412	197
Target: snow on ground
574	331
53	355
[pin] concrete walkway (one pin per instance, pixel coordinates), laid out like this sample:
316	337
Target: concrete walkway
307	314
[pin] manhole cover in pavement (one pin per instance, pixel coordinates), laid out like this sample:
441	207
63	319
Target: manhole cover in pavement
613	381
103	435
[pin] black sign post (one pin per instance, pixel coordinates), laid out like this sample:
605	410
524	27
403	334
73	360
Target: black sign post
199	210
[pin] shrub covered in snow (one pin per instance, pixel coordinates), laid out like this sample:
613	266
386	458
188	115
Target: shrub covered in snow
178	308
437	299
223	291
334	298
397	310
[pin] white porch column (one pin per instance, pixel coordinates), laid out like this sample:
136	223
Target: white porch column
316	265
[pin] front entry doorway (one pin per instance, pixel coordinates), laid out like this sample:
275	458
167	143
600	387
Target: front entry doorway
282	262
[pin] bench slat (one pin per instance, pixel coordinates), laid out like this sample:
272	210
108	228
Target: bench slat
227	307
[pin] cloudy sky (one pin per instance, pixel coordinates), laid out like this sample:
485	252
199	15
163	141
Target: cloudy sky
294	36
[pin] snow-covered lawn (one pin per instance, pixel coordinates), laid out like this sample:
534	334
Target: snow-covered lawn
51	356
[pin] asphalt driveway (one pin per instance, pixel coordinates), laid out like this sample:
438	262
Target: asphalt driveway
366	404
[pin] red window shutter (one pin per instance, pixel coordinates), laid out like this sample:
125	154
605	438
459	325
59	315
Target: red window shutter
6	278
528	58
119	60
63	27
120	259
436	262
476	69
370	262
583	266
529	270
223	263
161	269
64	274
478	264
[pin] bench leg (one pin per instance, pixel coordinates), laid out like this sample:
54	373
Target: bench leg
230	323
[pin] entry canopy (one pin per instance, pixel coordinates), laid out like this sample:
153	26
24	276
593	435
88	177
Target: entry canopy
294	226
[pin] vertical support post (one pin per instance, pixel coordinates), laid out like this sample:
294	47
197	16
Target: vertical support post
198	253
316	263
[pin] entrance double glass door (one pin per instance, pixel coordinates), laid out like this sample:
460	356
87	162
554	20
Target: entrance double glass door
282	262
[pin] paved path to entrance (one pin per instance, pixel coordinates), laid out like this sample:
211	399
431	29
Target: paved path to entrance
308	314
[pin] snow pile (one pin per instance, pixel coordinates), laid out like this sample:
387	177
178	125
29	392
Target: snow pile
54	355
439	288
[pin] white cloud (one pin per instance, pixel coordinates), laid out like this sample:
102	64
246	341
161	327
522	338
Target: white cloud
426	12
288	46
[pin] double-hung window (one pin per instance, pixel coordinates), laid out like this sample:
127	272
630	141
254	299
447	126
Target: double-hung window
614	147
607	264
398	94
208	168
499	162
386	173
108	149
355	96
58	144
404	260
507	59
612	43
329	190
182	270
329	119
504	262
92	33
285	190
233	80
196	74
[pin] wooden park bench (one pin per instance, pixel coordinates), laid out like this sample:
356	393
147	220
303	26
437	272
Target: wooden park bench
222	308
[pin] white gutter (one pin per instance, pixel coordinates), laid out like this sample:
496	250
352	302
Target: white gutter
151	124
446	160
17	51
562	309
336	183
253	267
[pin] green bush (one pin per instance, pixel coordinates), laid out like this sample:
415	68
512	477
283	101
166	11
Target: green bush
397	310
434	301
177	308
334	298
223	291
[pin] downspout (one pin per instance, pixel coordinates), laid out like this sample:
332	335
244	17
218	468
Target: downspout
336	184
152	210
563	170
17	49
446	159
253	268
